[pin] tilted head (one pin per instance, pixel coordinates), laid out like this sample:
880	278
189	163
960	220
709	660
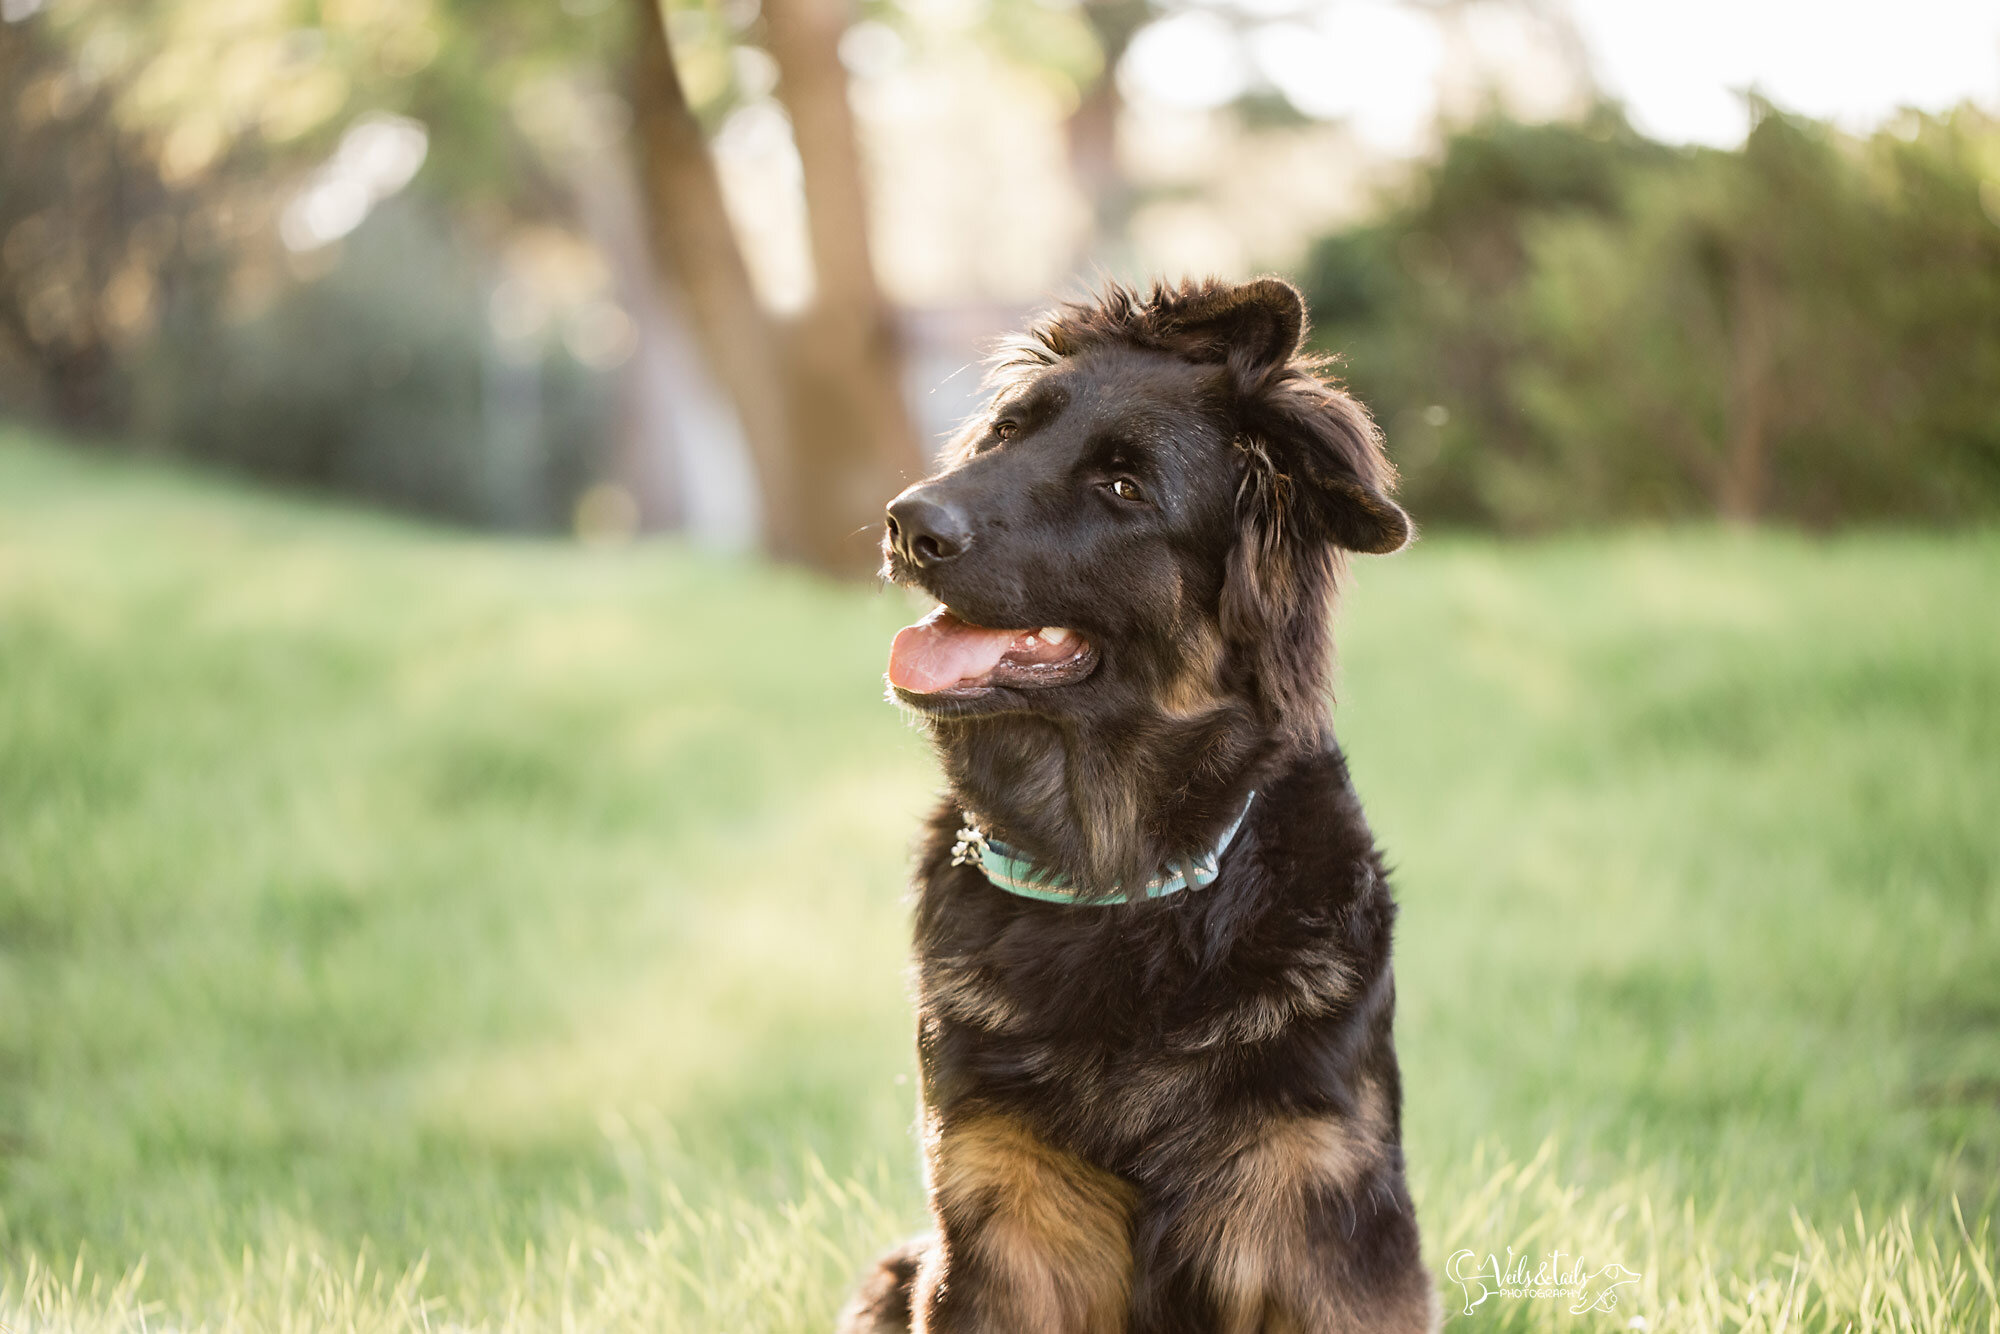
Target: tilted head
1135	546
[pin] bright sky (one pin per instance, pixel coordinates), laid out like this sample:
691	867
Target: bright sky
1854	62
1677	66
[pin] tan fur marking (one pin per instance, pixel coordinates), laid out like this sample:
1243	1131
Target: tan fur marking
1306	989
1053	1231
1264	1274
1196	690
960	988
1107	805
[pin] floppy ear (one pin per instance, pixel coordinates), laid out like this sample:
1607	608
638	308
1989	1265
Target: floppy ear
1330	445
1314	482
1318	437
1254	327
1276	585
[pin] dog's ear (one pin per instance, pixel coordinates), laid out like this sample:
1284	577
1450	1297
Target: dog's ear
1330	446
1254	327
1317	436
1314	482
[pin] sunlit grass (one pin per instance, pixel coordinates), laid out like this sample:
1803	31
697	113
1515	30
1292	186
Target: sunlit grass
403	928
758	1269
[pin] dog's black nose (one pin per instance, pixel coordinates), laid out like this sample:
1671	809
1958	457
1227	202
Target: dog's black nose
927	530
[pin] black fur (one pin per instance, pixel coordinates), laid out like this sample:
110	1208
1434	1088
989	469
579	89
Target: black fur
1207	1081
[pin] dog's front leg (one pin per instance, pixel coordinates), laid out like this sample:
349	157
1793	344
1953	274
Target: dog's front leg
1030	1238
1305	1226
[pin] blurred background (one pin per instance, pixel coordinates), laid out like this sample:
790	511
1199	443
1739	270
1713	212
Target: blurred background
451	834
721	269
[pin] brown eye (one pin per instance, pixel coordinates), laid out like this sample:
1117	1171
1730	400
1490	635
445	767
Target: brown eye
1006	430
1126	489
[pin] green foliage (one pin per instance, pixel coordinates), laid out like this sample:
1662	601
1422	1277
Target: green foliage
1570	324
143	289
382	380
401	928
269	87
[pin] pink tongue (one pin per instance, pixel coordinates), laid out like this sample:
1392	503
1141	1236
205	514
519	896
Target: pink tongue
940	651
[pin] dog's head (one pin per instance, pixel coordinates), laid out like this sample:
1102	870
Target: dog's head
1145	522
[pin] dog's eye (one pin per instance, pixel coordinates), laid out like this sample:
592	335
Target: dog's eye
1126	489
1006	430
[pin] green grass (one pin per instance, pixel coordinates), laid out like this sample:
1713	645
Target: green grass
405	930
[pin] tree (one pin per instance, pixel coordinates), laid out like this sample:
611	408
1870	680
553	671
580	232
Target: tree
148	148
1798	329
86	226
1425	304
1569	323
1093	130
819	396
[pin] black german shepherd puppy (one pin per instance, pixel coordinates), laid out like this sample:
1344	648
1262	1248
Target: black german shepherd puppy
1155	1005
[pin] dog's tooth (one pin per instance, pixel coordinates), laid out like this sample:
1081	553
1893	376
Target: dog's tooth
1055	634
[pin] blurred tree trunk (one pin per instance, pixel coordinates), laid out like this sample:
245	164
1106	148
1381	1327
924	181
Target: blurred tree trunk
846	361
692	240
76	198
821	398
680	450
1093	137
1752	391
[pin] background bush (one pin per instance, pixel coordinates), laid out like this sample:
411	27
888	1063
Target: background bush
382	379
1568	323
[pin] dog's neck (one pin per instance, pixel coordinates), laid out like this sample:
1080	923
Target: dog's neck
1108	805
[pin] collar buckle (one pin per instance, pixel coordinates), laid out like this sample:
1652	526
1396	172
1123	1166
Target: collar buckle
1009	870
970	850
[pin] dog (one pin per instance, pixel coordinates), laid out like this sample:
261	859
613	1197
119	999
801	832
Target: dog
1159	1085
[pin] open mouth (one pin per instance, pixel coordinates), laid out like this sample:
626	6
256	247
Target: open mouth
943	657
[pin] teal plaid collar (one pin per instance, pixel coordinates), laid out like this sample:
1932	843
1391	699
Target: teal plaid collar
1007	868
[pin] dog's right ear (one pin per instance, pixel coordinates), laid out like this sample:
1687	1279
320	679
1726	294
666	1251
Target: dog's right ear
1314	482
1327	443
1316	436
1255	328
1276	585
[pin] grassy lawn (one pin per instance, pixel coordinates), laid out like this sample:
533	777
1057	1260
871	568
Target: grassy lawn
404	930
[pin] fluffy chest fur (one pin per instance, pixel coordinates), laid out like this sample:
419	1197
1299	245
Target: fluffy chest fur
1129	1031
